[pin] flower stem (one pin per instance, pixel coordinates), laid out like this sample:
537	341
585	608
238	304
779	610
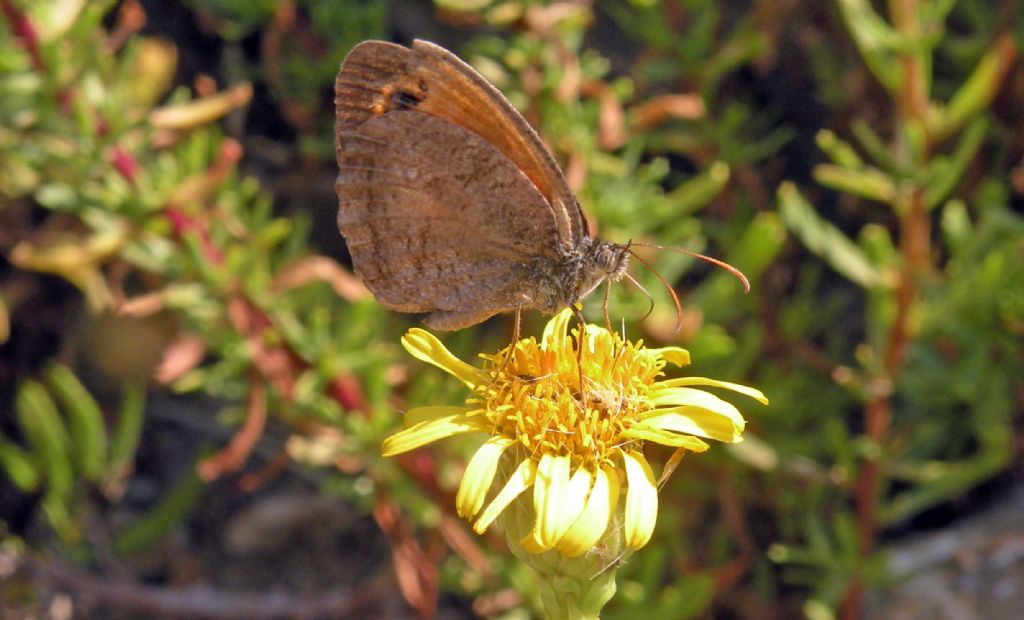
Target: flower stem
914	243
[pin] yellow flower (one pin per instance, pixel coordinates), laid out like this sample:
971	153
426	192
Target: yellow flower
578	451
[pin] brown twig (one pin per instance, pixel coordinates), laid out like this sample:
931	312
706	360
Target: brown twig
234	455
253	481
417	573
91	590
277	364
734	512
131	18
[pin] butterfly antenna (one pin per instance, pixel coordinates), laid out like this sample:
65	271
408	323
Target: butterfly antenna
671	291
704	257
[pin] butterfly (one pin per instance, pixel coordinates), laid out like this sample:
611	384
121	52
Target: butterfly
449	202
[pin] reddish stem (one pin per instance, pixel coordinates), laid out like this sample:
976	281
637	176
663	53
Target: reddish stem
417	573
347	390
25	32
126	165
184	223
914	242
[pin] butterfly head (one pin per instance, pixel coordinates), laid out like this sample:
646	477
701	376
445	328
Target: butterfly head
611	259
603	261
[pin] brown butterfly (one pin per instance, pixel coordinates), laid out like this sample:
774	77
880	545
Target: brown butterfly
449	201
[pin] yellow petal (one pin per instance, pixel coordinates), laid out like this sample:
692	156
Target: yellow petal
754	393
417	415
675	396
479	475
521	479
614	487
424	346
549	493
665	438
641	500
567	506
676	355
689	400
445	425
576	497
587	530
556	329
697	421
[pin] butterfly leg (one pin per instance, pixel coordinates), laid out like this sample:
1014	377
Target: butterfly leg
580	339
607	319
670	466
620	344
516	324
604	305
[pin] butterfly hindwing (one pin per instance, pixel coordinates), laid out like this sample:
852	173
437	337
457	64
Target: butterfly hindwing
439	220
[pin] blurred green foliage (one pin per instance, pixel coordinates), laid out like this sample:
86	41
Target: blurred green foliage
67	449
885	321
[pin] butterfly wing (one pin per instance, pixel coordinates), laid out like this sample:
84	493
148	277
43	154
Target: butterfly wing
377	78
439	220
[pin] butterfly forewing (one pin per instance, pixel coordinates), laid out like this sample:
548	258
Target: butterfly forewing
438	220
378	78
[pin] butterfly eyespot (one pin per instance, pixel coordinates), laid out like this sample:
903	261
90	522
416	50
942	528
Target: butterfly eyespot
405	100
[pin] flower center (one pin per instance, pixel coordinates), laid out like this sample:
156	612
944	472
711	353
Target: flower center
535	399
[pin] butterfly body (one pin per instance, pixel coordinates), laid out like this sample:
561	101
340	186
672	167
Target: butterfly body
449	201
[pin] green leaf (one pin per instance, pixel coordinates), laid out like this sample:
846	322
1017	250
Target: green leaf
956	225
19	466
868	183
875	40
827	241
976	93
48	439
696	193
874	146
171	510
839	151
57	196
129	427
945	174
878	246
85	421
956	478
